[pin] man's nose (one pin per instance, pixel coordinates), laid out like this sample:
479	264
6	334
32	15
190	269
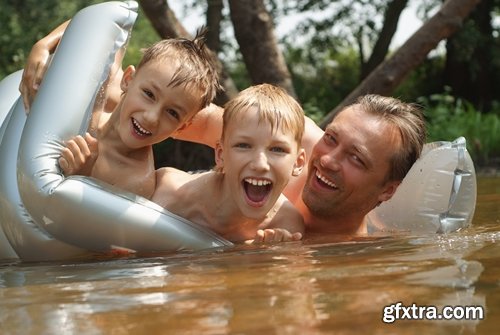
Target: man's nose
331	160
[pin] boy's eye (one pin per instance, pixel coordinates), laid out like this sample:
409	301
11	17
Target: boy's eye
148	93
278	149
174	114
242	145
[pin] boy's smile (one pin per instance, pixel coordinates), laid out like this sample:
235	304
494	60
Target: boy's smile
257	162
139	130
257	190
152	109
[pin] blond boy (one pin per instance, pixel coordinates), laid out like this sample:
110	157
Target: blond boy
258	153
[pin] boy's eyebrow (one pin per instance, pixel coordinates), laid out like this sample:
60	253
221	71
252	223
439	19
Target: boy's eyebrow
246	137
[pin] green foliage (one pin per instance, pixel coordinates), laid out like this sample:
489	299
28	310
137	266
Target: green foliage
322	78
143	35
449	117
25	22
424	80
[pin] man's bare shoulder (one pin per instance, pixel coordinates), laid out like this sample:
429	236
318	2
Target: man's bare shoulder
312	134
287	217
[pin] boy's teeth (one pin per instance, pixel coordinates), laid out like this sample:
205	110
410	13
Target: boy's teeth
257	182
139	128
324	180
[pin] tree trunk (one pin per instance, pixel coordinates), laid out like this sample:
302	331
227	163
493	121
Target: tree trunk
254	31
381	48
389	74
214	18
163	19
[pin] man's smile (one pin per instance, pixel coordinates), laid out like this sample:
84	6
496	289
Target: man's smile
324	181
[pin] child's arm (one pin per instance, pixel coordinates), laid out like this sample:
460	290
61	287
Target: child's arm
37	64
204	128
79	156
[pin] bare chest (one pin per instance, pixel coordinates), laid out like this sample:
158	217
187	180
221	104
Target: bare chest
136	176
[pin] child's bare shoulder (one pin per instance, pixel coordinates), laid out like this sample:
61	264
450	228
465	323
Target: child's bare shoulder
171	176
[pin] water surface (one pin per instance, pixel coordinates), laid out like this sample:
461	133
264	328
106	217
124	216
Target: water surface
319	286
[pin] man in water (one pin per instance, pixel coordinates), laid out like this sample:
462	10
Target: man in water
356	163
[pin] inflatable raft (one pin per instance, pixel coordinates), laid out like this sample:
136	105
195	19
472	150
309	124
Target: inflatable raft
45	216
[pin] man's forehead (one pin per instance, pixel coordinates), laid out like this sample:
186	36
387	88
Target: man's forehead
342	115
364	131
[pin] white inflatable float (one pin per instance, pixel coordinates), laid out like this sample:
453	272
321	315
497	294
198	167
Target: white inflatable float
28	241
438	195
45	216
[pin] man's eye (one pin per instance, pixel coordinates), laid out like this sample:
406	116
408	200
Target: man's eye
357	160
329	138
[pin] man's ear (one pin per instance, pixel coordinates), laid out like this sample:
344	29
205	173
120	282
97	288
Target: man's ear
300	162
219	160
128	75
389	190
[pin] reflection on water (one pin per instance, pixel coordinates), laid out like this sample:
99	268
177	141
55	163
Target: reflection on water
318	286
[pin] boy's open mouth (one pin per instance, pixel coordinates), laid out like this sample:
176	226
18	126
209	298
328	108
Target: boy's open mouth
139	130
257	190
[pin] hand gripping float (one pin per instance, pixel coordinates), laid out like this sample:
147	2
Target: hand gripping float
82	211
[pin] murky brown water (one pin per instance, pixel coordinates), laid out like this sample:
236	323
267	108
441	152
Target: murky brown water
315	287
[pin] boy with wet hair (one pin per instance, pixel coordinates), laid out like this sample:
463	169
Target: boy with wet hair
174	80
258	153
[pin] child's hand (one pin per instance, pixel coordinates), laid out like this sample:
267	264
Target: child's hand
79	155
275	235
35	68
37	64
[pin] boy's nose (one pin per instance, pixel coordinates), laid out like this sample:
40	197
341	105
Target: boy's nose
151	116
260	162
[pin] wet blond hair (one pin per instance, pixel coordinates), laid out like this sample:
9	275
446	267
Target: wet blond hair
195	66
275	106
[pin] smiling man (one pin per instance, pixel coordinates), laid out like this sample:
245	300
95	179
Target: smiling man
356	163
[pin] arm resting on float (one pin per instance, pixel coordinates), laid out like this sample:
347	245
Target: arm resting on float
37	63
204	128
